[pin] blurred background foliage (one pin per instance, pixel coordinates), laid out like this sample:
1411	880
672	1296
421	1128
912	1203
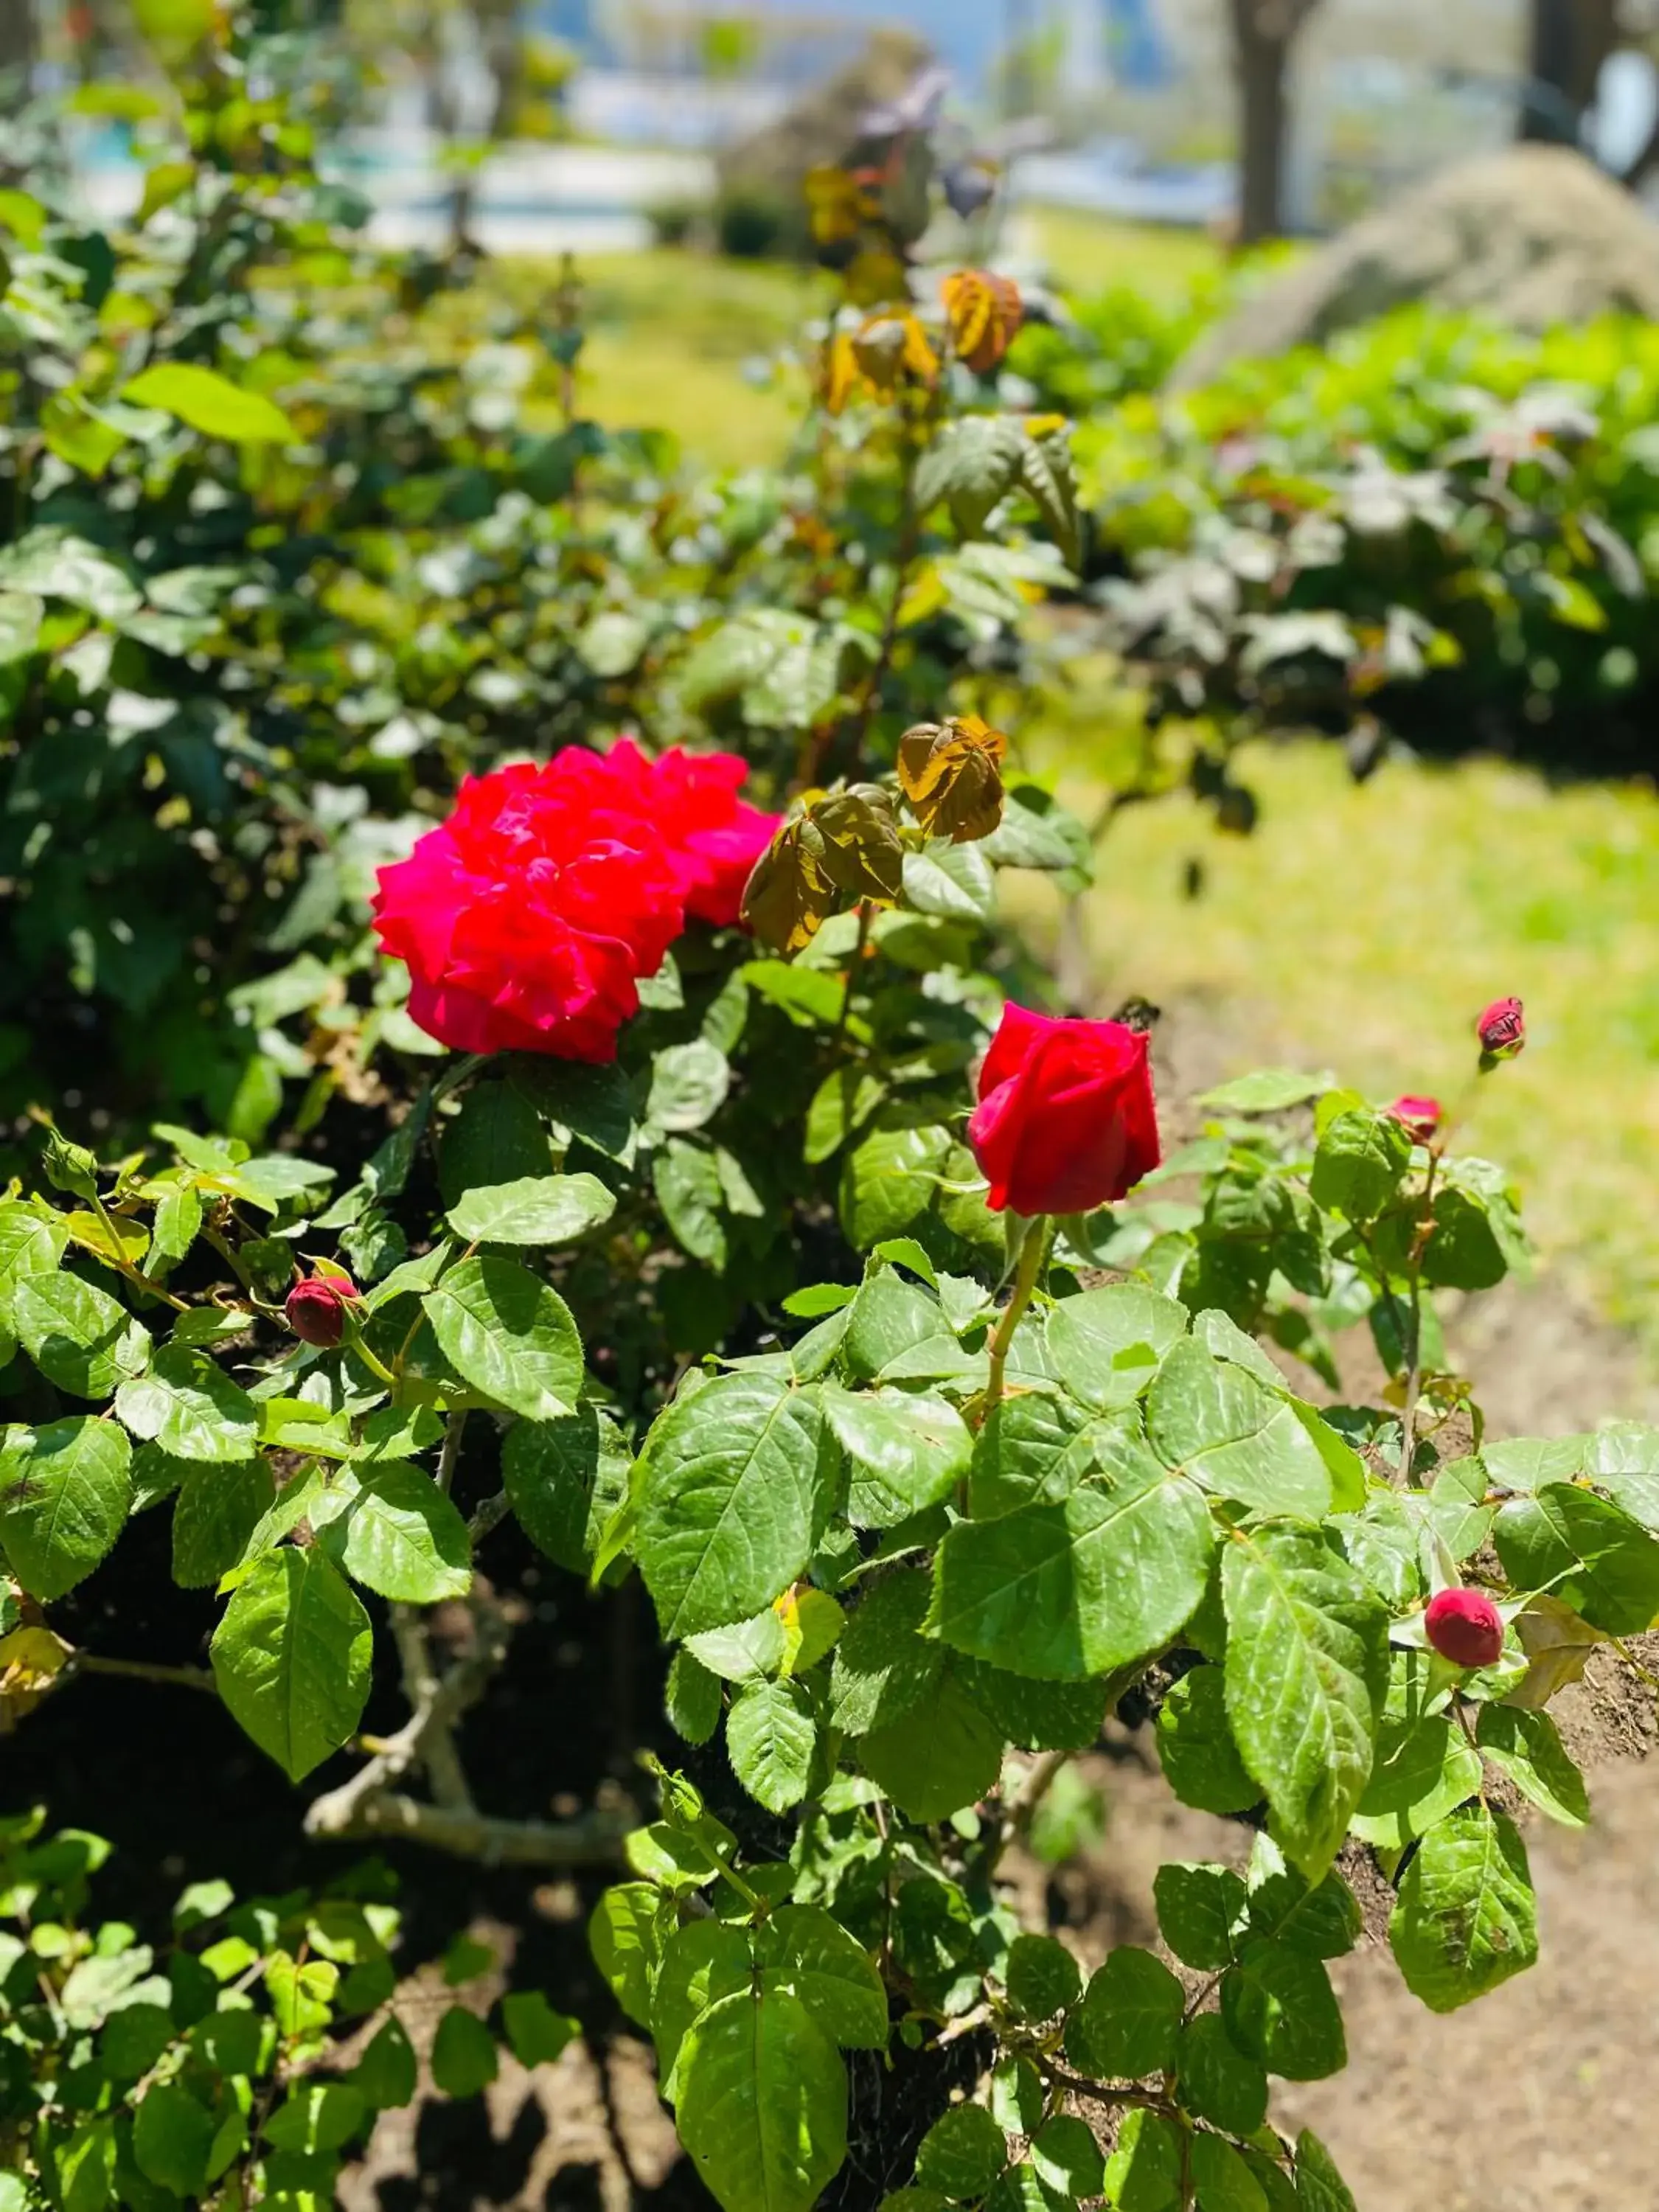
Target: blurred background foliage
237	669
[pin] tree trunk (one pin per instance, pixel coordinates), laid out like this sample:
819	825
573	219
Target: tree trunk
1262	50
1567	43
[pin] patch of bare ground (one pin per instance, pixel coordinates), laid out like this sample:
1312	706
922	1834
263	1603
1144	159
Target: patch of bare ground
1536	2099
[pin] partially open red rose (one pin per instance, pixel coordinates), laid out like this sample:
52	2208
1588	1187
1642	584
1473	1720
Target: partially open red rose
1066	1119
1419	1113
315	1309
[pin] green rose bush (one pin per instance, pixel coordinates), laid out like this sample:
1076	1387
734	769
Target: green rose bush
1029	1440
567	1067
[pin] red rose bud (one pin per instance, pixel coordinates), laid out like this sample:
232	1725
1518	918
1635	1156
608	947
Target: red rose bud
315	1309
1420	1117
1066	1119
1502	1028
1465	1626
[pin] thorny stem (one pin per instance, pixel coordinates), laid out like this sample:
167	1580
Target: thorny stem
1153	2099
452	1448
372	1361
1414	1370
133	1272
1025	1279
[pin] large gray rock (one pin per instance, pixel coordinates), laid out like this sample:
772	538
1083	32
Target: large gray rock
1533	234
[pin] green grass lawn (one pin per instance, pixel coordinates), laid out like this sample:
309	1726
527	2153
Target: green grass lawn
1090	252
669	334
1362	928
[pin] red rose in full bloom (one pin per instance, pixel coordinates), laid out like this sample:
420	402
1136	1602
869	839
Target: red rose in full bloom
713	837
1420	1114
1465	1626
1066	1119
315	1309
528	917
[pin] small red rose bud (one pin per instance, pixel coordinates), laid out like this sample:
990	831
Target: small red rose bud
315	1309
1465	1626
1502	1028
1420	1116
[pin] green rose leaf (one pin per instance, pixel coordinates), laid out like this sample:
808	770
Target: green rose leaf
509	1336
1219	2081
688	1084
1466	1918
1306	1670
1196	1745
1200	1909
563	1480
907	1452
1278	2005
1319	2186
292	1656
172	2136
210	402
1078	1587
533	1210
77	1335
190	1407
626	1934
1528	1747
217	1511
66	1492
1042	1976
805	1950
464	2059
1360	1160
386	2075
1143	2174
735	1489
1226	1429
1107	1343
1588	1552
962	2154
770	1737
1222	2180
1423	1768
762	2102
1125	2025
402	1537
937	1756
